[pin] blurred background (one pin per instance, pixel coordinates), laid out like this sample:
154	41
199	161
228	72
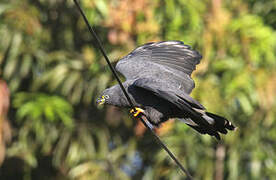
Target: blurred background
51	74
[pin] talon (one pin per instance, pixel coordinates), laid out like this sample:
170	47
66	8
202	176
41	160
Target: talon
136	111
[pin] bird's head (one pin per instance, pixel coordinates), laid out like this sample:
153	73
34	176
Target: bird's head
107	97
112	96
103	99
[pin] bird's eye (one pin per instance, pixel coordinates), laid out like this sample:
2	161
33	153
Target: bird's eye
106	96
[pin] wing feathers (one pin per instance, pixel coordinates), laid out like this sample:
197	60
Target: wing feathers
173	54
197	117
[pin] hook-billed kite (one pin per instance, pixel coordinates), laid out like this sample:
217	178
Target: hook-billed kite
158	81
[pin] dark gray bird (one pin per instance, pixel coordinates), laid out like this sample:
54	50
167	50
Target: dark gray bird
158	81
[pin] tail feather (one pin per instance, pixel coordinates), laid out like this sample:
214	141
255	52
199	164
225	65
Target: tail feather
219	124
203	130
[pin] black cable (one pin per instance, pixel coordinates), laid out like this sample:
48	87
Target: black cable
145	121
104	54
143	118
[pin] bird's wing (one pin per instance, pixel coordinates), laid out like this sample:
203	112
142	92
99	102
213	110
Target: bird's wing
171	59
205	122
179	98
163	90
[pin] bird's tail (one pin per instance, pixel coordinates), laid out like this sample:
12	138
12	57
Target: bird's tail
217	124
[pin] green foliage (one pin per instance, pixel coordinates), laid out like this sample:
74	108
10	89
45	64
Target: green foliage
55	72
42	106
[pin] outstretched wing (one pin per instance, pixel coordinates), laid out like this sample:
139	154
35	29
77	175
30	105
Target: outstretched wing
165	91
195	114
171	60
180	99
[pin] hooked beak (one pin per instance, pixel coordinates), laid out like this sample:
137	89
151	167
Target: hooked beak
100	101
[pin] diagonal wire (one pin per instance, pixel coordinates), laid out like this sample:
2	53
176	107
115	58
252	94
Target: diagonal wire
142	118
103	52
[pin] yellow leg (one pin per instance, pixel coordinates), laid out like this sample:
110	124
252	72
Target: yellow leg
136	111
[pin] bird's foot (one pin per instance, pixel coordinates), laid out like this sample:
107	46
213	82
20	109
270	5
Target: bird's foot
136	111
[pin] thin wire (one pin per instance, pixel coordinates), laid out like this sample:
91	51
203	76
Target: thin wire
143	118
104	54
145	122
